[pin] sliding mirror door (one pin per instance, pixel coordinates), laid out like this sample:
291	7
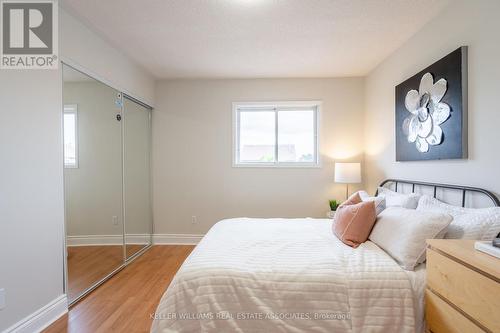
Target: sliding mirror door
136	168
93	181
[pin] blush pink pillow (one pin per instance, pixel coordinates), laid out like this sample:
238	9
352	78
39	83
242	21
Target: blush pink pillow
354	220
353	199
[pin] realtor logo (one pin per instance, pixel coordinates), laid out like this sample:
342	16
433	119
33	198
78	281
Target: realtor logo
29	34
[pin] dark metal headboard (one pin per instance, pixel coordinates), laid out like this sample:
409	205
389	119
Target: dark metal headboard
463	189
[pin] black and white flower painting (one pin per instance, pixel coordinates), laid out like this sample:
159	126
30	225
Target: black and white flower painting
431	111
427	112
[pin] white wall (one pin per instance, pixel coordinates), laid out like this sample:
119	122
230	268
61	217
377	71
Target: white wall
192	152
31	192
31	172
463	22
82	46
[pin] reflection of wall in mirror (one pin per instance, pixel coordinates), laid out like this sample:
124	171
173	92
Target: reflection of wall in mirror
137	137
93	190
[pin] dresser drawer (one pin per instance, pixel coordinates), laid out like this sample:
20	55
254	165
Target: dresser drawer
470	291
442	318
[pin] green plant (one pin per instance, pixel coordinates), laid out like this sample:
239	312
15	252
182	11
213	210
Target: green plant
334	204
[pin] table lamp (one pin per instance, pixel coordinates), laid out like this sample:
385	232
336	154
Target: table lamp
348	173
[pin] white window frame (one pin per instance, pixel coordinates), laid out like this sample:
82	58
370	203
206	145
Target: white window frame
72	109
276	106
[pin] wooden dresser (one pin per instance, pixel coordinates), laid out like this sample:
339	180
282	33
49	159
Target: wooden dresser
463	288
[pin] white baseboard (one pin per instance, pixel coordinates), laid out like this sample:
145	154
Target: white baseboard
88	240
158	239
138	239
41	318
176	239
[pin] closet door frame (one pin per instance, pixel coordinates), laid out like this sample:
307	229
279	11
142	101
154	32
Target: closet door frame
122	92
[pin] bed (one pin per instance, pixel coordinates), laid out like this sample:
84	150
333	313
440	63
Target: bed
290	275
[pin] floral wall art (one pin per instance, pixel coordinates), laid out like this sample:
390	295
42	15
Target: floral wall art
431	111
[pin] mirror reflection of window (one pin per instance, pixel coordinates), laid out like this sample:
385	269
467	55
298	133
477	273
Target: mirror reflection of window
70	123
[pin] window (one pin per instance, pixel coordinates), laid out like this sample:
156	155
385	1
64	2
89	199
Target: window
70	128
276	134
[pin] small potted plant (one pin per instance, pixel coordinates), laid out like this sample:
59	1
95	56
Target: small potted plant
334	204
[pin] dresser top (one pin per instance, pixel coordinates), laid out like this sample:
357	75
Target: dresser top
463	250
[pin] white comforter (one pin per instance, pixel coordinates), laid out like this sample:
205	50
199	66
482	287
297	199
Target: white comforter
278	275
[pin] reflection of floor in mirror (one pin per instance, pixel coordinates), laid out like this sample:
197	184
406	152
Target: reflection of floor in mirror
125	302
133	249
89	264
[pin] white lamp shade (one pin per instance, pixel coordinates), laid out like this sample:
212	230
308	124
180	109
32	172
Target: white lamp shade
348	173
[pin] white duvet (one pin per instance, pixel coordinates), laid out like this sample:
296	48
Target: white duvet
285	275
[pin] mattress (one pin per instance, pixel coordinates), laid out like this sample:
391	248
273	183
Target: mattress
418	281
286	275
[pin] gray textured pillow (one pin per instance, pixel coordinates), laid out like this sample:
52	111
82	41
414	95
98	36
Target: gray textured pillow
379	201
395	199
402	232
468	223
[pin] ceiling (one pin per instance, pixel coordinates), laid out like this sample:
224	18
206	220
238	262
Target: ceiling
256	38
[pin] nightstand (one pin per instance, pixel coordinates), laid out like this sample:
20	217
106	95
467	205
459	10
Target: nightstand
463	288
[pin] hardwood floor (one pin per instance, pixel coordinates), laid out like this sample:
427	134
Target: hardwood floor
132	249
89	264
125	302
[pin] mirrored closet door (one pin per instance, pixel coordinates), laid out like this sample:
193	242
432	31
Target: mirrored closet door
107	180
136	168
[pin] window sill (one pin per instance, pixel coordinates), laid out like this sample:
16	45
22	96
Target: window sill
277	166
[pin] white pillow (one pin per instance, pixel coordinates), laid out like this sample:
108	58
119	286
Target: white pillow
402	232
468	223
379	201
395	199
